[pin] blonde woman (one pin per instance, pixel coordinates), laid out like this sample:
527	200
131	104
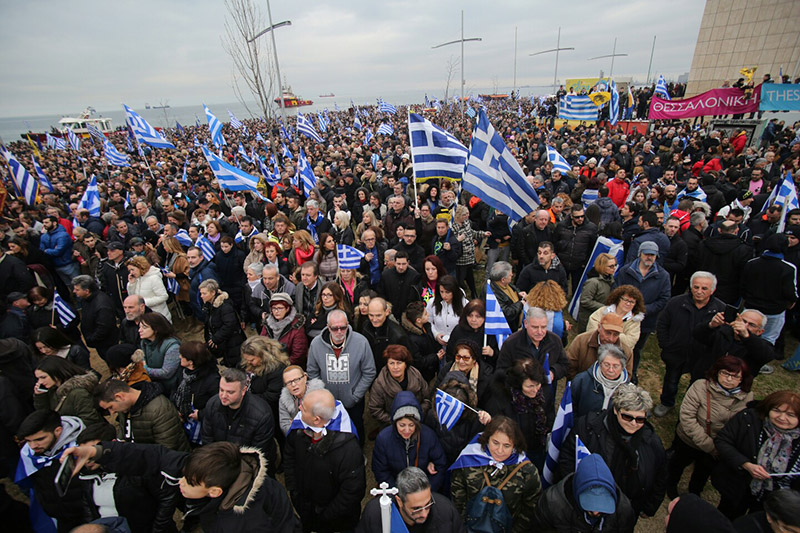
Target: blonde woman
178	266
257	244
146	280
549	295
369	220
303	248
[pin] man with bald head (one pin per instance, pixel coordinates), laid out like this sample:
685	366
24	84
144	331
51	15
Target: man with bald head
380	332
134	307
540	231
324	466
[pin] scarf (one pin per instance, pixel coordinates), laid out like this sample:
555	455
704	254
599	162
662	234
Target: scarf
312	226
535	408
277	326
428	291
476	455
625	459
340	422
727	392
472	376
609	385
774	456
183	397
303	256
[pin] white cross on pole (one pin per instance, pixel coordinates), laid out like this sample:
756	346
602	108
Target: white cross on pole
386	504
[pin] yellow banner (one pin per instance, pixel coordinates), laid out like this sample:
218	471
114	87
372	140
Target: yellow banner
582	84
601	98
748	73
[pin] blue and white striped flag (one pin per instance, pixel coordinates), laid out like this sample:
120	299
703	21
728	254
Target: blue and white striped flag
494	175
171	283
349	257
114	156
74	140
435	153
368	136
561	427
269	177
495	323
786	198
286	153
698	194
206	247
305	127
94	132
385	129
26	184
183	237
259	138
127	199
239	237
56	143
603	245
448	409
357	123
243	154
386	107
91	198
576	107
340	422
323	123
229	177
276	171
235	122
581	451
94	152
144	132
43	181
471	112
286	134
559	163
215	128
373	159
185	162
613	108
305	173
65	312
661	88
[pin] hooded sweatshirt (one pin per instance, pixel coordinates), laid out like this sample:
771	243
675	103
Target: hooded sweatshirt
348	374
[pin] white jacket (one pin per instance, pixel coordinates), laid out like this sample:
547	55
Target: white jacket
151	288
445	321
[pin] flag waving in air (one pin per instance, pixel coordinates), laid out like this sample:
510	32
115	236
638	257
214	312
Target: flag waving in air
448	409
496	323
215	128
661	88
349	257
613	109
144	132
26	184
305	127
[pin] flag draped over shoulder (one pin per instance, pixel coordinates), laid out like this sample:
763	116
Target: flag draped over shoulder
474	454
215	128
561	427
603	245
494	175
340	422
26	184
349	257
144	132
576	107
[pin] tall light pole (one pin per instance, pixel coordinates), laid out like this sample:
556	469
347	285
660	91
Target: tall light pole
557	49
275	52
612	55
515	61
652	51
462	41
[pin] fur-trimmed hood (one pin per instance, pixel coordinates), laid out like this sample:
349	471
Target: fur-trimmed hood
408	326
220	299
86	381
247	485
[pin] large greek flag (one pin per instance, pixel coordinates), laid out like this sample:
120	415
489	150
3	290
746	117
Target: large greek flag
91	198
305	127
576	107
495	323
26	184
698	194
435	153
230	177
243	153
613	108
235	122
385	129
144	132
661	88
559	163
305	173
269	177
65	312
786	198
286	153
183	238
386	107
494	175
603	245
349	257
114	156
74	140
448	409
215	128
561	427
323	122
43	181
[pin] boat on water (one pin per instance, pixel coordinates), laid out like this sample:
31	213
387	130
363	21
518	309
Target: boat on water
291	100
77	125
331	95
493	96
148	106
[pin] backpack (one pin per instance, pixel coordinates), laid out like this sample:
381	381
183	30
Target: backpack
487	511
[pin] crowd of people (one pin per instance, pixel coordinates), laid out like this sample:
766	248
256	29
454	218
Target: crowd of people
251	388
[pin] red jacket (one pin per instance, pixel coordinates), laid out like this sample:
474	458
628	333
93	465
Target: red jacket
739	143
618	191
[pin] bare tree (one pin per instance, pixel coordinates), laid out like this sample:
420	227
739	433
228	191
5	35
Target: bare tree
252	63
453	63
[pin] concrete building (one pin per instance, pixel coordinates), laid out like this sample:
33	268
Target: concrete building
745	33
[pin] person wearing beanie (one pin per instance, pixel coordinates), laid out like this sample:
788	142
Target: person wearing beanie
585	499
126	364
407	442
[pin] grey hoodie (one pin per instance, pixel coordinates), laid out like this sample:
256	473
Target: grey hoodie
349	376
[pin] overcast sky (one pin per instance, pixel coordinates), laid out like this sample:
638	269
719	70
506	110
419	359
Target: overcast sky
59	57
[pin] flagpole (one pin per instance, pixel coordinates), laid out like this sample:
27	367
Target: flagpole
53	313
144	156
386	505
413	170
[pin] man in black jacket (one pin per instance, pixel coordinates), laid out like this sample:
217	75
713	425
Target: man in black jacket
416	253
678	256
397	284
725	255
574	239
380	331
680	351
134	308
98	316
545	267
445	246
113	276
236	416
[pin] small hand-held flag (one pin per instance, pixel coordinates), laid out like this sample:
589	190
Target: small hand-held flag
65	312
581	451
495	323
561	428
349	257
448	409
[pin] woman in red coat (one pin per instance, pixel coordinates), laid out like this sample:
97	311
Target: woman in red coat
286	326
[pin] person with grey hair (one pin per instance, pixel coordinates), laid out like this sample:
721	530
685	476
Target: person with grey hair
253	274
420	508
693	237
315	222
98	315
509	297
629	445
592	389
681	351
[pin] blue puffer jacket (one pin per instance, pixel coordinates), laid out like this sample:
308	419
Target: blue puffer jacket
393	453
58	245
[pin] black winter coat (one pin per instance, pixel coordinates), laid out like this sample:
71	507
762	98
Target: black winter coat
230	273
720	341
459	333
399	289
99	322
519	346
113	280
511	310
574	243
442	518
535	273
679	317
205	386
223	329
426	349
454	440
379	338
769	284
725	256
499	403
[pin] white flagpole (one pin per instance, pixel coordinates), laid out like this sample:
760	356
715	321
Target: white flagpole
386	505
413	170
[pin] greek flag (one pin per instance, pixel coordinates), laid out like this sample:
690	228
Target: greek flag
286	153
206	247
613	109
589	196
786	198
575	107
340	422
43	181
26	184
184	238
698	194
305	173
323	123
230	177
349	257
386	107
368	137
661	88
144	132
65	312
239	237
581	451
448	409
475	454
276	171
171	283
185	162
603	245
91	198
286	134
96	133
385	129
435	153
559	163
471	112
215	128
235	122
494	175
373	159
243	153
74	140
495	323
305	127
259	138
357	123
114	156
127	199
561	427
56	143
269	177
94	152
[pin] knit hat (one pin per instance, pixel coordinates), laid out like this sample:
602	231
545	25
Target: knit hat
407	411
120	356
281	297
792	230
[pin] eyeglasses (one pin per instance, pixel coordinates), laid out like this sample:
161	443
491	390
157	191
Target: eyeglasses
729	375
611	366
419	510
575	217
630	418
627	300
463	357
295	381
337	328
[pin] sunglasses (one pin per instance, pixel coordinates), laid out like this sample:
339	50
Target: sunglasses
337	328
629	418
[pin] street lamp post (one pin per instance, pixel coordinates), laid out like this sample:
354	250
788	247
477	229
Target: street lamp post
462	41
557	49
612	55
275	52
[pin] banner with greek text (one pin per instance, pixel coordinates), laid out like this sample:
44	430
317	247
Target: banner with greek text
728	101
780	97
